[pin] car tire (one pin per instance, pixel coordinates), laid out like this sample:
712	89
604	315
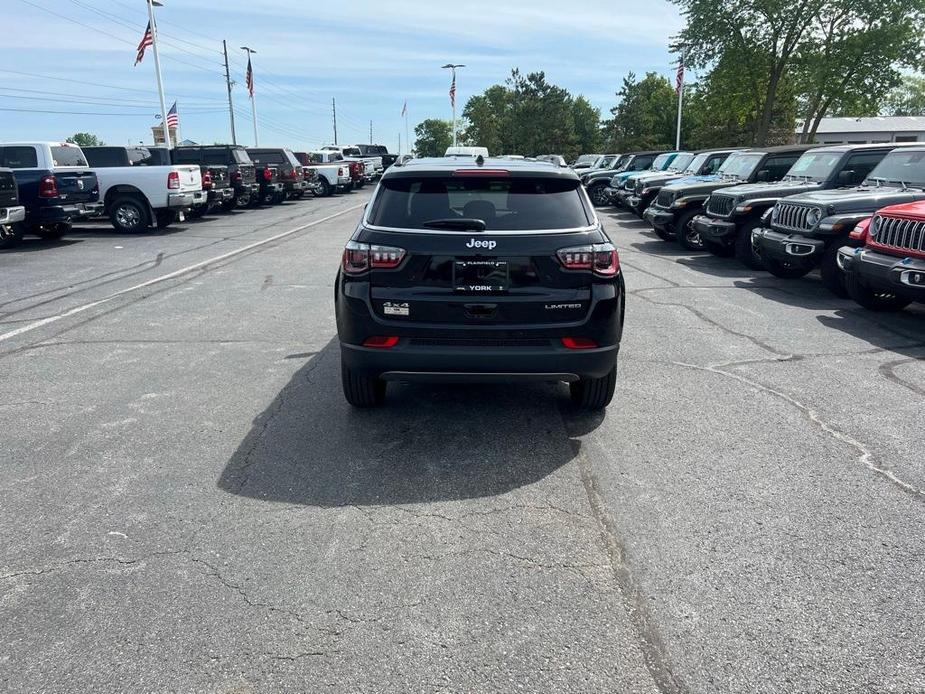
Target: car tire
52	232
362	391
10	235
744	250
663	234
871	299
164	218
324	188
785	272
129	215
598	194
594	393
359	185
832	276
689	238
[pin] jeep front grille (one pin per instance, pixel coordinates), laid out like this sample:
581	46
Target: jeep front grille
793	217
720	205
904	234
665	199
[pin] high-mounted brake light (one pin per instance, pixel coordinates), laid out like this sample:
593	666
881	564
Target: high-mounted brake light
173	181
601	258
361	257
481	172
578	343
381	341
48	187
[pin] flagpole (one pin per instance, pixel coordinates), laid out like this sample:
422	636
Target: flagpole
452	67
253	100
157	71
682	71
179	137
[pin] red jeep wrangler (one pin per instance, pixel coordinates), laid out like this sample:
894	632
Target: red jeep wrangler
888	272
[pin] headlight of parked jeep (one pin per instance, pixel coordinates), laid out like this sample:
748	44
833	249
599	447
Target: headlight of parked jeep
874	226
814	216
775	213
679	203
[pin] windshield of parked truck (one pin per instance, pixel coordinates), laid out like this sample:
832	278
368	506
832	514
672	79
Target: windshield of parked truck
695	164
661	161
740	165
680	162
502	203
587	159
814	166
899	167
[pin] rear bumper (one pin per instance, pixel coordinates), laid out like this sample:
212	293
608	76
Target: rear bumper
54	214
178	201
11	215
796	250
715	230
658	218
901	276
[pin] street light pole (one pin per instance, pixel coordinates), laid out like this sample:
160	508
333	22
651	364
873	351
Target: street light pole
251	90
453	68
157	71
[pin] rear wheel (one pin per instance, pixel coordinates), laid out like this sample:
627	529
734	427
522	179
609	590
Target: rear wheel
359	184
52	232
663	234
785	272
128	215
10	235
594	393
873	299
689	238
598	194
360	390
324	188
744	251
832	276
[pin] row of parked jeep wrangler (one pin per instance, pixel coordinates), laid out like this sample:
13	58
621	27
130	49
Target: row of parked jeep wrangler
855	212
47	187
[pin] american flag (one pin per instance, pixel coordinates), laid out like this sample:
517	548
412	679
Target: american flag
173	117
249	77
453	91
679	83
146	40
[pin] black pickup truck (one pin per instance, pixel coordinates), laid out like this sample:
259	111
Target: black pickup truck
731	214
673	212
805	231
12	213
378	151
285	180
56	185
242	174
217	186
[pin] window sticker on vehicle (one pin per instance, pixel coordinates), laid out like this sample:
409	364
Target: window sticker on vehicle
396	309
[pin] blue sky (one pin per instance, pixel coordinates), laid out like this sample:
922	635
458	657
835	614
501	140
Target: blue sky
370	55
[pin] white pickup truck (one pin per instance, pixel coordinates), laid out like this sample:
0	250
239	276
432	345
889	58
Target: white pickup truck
332	177
373	163
139	188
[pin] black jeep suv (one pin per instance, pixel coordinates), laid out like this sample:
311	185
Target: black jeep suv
480	271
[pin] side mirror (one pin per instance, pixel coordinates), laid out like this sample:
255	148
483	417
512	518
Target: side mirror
763	176
846	178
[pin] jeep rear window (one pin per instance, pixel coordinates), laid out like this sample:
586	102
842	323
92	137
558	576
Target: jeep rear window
817	166
68	156
504	204
900	167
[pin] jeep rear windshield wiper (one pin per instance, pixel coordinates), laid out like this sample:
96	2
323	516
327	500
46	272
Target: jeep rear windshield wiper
460	223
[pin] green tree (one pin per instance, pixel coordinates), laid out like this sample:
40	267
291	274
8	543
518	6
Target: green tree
645	115
907	99
587	119
488	117
433	136
85	140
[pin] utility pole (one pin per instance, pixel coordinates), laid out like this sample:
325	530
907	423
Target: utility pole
453	68
334	109
680	88
370	132
229	83
157	71
250	88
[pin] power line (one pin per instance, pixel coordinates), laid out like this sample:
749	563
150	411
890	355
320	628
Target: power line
70	113
97	84
81	98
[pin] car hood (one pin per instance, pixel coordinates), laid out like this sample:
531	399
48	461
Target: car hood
778	189
660	178
862	198
698	185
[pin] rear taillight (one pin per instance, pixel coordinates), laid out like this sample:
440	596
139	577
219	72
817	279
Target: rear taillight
206	180
578	343
48	187
361	257
173	181
267	174
381	341
601	258
237	177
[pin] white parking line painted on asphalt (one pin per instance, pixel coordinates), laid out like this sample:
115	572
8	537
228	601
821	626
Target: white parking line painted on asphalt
170	275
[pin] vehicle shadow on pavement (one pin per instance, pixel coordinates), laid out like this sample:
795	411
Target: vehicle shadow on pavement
31	245
431	442
902	332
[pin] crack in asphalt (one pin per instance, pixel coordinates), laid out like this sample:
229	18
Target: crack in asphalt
888	371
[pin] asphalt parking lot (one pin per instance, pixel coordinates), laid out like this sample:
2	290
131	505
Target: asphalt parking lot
188	504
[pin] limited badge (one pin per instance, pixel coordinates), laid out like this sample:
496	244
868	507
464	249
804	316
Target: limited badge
395	309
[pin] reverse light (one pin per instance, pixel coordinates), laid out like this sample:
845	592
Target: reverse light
381	341
578	343
601	258
173	181
361	257
48	187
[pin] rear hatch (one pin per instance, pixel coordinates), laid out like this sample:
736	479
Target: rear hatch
8	191
481	248
74	178
190	177
219	176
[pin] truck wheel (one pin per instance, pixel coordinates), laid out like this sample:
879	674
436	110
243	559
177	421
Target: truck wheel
324	188
10	235
128	215
598	194
871	299
359	185
362	391
240	202
52	232
785	272
689	238
744	251
832	276
165	218
663	234
594	393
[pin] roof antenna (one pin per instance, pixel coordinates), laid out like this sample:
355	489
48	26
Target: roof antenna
480	160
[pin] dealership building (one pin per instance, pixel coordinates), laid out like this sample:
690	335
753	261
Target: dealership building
837	131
